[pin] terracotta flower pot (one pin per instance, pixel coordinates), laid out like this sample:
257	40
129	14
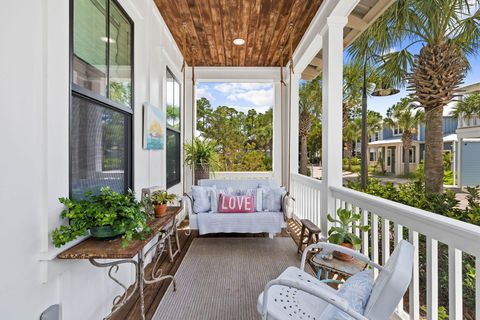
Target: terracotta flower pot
344	256
160	210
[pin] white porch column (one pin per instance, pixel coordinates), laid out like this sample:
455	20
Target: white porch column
189	123
292	115
278	135
331	114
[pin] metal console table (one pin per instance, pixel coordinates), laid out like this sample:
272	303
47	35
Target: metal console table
93	249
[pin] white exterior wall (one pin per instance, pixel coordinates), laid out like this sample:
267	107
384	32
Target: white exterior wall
34	142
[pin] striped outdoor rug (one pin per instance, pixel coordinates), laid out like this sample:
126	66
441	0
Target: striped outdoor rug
221	278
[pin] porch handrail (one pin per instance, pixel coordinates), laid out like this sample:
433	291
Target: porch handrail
309	181
233	175
450	231
460	237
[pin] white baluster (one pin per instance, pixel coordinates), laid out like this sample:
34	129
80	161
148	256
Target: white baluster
385	240
398	234
414	290
365	233
432	278
455	290
357	230
375	241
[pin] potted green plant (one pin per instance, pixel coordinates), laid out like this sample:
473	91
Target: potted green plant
160	200
105	215
340	233
201	155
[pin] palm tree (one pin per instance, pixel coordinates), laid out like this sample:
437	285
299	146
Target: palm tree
407	118
310	103
447	32
351	134
468	108
374	123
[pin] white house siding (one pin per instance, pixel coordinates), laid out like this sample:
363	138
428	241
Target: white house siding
34	153
398	163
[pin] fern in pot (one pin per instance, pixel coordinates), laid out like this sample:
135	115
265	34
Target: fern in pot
105	215
201	155
340	233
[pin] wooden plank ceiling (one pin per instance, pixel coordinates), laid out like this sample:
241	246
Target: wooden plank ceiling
212	25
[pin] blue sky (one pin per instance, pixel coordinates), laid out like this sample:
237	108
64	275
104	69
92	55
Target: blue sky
244	96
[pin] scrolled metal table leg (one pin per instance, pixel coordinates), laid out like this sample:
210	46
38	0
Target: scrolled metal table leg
113	266
141	276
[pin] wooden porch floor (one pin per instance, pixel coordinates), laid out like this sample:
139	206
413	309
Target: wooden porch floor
155	292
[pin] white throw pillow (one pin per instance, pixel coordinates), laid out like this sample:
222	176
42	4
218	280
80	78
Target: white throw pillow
202	198
216	195
257	196
356	290
272	199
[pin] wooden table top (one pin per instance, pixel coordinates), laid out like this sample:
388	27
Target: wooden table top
335	265
92	248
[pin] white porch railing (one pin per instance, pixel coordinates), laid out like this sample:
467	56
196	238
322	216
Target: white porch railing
306	192
232	175
390	222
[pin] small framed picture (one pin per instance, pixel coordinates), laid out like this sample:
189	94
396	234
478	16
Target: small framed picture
154	127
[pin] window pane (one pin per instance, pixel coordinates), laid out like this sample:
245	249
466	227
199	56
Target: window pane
173	101
173	157
90	45
97	147
120	42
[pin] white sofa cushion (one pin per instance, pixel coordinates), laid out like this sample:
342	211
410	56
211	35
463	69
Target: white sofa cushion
256	222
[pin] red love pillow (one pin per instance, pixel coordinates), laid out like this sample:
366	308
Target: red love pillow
236	204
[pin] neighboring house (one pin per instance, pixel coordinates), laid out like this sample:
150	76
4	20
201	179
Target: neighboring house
387	147
467	157
460	136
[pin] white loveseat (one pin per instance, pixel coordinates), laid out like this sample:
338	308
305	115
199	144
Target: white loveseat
256	222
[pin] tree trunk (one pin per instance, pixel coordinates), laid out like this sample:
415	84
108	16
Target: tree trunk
406	161
349	146
434	150
303	155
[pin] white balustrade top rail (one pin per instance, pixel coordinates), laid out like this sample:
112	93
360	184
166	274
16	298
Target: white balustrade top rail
461	235
233	175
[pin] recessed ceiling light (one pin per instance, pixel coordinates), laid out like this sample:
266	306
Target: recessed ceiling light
109	40
239	42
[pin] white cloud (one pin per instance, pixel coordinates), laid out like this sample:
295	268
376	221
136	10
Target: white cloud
260	97
236	87
202	92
